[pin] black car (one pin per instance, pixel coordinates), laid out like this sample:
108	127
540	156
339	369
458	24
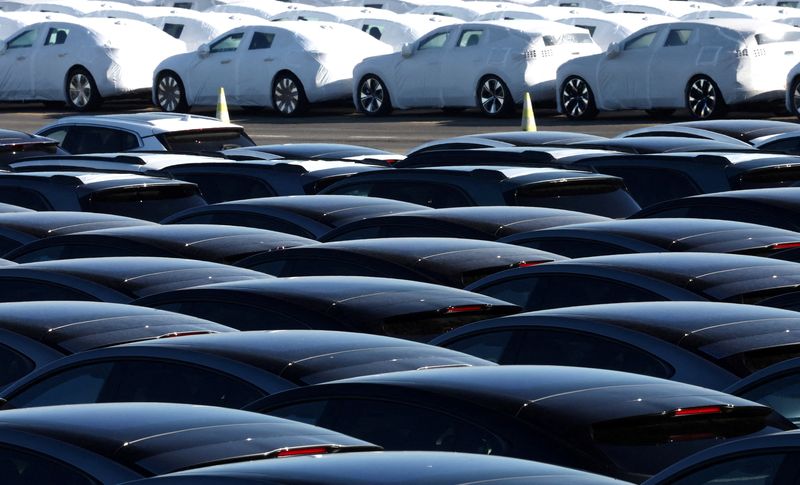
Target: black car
459	186
15	145
20	228
665	144
384	306
619	424
487	222
505	139
770	458
93	444
224	369
440	260
207	242
776	207
132	195
308	216
112	279
708	344
656	235
33	334
317	151
539	156
370	468
218	178
619	278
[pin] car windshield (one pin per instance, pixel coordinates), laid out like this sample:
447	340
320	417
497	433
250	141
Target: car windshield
205	140
151	203
602	198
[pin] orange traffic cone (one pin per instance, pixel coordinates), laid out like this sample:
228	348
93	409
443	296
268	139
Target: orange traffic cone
222	107
528	121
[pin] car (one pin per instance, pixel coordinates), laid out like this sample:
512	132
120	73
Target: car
228	370
668	276
307	63
317	151
656	235
15	145
776	207
309	216
132	195
487	222
503	139
410	467
219	179
111	279
476	185
709	344
466	53
21	227
81	62
663	144
118	442
147	131
768	458
33	334
678	75
440	260
762	134
207	242
383	306
619	424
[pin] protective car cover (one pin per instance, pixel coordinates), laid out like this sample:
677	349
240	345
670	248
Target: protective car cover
259	8
12	21
461	10
398	29
548	12
760	12
77	8
748	60
198	28
658	7
614	27
109	49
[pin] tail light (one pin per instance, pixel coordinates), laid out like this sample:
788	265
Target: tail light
301	451
786	245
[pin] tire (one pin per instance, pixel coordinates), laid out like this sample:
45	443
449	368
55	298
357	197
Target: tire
373	97
577	99
288	95
493	97
660	112
81	90
794	93
170	93
704	99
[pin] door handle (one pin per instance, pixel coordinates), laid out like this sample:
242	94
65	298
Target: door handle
21	58
226	61
63	54
269	59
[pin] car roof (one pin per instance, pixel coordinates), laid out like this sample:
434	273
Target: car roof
145	123
312	150
53	223
91	180
14	137
408	467
75	326
161	437
770	198
664	144
314	356
746	130
492	173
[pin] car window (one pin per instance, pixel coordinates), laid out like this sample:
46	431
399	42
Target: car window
410	427
56	36
434	42
19	467
57	134
228	43
772	37
671	184
678	37
575	248
261	40
77	385
238	316
590	28
29	198
16	289
245	220
781	393
641	42
373	30
96	139
486	345
13	365
787	145
24	39
149	202
222	187
753	469
469	38
71	251
174	30
429	194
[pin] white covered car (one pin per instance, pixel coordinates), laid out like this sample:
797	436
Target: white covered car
286	65
488	65
703	65
81	62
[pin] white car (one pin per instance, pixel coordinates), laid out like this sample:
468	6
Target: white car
286	65
82	62
488	65
11	22
702	65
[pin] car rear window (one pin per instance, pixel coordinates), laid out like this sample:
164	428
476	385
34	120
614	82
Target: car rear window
773	37
151	203
605	198
12	153
769	177
205	140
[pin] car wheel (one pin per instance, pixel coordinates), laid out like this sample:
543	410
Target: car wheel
82	93
577	99
794	92
704	99
373	97
660	112
288	96
170	93
494	99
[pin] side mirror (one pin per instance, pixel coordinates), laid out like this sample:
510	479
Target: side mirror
407	50
613	50
203	51
3	47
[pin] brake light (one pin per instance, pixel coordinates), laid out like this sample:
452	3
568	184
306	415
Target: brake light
525	264
785	245
697	411
309	450
463	309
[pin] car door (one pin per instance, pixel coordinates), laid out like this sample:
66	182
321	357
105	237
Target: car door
52	59
623	80
464	57
673	60
260	57
418	77
16	66
216	69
